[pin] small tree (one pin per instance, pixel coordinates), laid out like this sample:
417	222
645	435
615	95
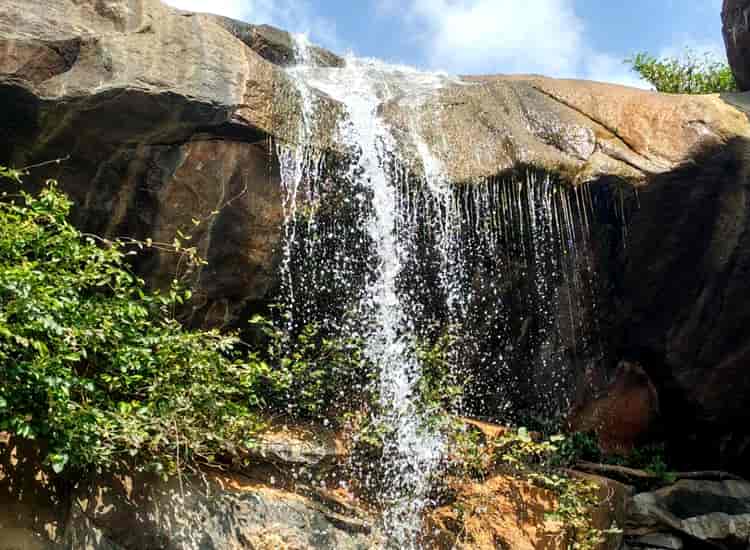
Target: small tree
690	73
94	364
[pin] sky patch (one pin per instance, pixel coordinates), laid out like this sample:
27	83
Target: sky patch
562	38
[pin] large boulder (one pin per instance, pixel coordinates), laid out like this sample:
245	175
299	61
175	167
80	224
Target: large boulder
488	125
735	16
279	506
163	118
166	117
715	512
624	415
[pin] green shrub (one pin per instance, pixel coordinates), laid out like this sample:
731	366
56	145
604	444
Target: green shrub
439	389
95	365
689	74
312	375
532	458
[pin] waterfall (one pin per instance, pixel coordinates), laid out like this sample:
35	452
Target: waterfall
508	274
413	450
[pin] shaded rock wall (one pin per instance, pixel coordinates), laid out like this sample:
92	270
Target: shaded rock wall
684	308
166	117
735	17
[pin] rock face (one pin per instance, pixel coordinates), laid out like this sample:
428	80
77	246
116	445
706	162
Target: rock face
219	512
504	512
166	117
713	512
484	126
683	309
152	144
626	413
213	511
735	16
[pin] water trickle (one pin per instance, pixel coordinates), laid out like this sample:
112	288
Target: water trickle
497	264
412	452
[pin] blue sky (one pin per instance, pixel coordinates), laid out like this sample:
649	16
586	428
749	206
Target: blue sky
564	38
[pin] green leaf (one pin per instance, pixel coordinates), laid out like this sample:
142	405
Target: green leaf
58	462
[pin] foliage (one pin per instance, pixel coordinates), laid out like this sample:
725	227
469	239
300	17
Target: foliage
585	446
535	460
529	457
578	446
11	174
95	365
689	74
311	375
439	390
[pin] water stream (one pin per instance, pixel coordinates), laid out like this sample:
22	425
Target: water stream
413	450
506	263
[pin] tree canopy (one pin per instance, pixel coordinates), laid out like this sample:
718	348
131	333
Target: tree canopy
690	73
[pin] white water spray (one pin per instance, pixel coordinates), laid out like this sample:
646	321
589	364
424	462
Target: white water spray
488	234
412	450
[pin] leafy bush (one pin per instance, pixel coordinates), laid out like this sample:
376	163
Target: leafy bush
312	375
530	457
95	365
585	446
689	74
438	387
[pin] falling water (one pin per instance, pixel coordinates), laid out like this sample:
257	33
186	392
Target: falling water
507	278
412	451
298	164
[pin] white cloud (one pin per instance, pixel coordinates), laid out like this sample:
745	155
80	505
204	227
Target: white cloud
508	36
290	15
500	35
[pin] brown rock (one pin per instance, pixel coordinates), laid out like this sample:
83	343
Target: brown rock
612	510
624	414
735	16
504	512
584	130
500	512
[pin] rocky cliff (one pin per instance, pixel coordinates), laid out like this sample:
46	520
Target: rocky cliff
163	117
735	16
151	144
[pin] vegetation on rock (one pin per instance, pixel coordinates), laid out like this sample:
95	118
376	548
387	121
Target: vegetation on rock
314	375
95	366
539	461
689	74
